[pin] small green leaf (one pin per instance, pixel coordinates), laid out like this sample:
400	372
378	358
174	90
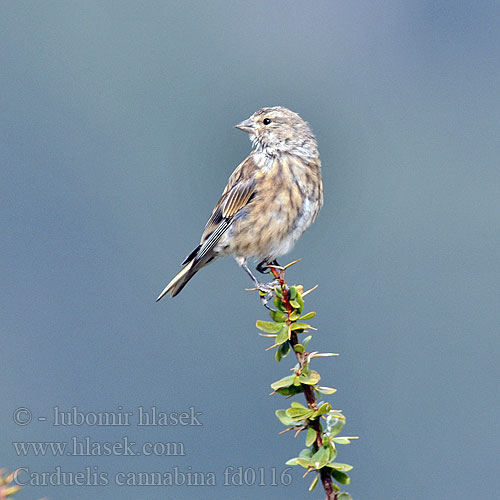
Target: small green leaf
292	292
306	340
340	467
334	423
310	436
305	453
8	492
283	418
278	316
340	476
299	326
305	462
278	292
300	300
342	440
283	335
308	316
295	305
333	452
268	326
283	382
320	458
343	495
314	483
279	305
298	413
282	351
296	404
324	408
311	379
326	390
291	390
299	348
292	461
294	316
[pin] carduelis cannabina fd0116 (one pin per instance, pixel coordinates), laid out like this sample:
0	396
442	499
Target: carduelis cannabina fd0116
271	198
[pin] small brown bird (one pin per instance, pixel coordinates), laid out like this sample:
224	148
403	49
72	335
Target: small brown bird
271	198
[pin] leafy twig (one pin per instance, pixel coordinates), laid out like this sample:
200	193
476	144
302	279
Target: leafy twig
287	324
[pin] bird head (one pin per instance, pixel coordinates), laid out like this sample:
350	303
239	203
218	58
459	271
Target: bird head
277	129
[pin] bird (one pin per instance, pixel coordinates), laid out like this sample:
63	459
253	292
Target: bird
272	197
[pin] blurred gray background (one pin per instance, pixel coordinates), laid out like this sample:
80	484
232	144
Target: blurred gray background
116	140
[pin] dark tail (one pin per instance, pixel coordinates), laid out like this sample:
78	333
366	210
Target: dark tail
180	280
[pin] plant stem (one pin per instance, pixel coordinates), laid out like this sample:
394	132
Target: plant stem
326	480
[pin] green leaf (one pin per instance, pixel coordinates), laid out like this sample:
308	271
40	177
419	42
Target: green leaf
334	423
326	390
268	326
282	351
333	452
340	467
340	476
278	355
296	404
324	408
290	391
299	413
278	292
294	316
292	461
306	340
314	483
320	458
310	436
283	382
308	315
299	348
278	316
343	495
299	326
279	305
292	292
283	335
283	418
300	300
295	305
342	440
305	462
311	379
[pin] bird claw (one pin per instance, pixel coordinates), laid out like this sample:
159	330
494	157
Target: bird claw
262	267
266	292
268	287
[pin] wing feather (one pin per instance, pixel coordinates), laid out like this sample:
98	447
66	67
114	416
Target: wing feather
237	194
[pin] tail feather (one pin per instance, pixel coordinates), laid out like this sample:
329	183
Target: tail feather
179	281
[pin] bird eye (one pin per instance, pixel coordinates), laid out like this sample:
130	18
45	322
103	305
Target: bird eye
266	121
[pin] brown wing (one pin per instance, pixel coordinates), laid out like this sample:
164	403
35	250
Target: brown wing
238	192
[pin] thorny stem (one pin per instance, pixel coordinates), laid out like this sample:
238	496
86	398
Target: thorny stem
326	480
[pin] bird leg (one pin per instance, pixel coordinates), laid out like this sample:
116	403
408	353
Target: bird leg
267	288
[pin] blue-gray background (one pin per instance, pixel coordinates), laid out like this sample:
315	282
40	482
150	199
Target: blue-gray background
116	141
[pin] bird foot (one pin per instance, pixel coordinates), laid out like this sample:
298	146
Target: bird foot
266	292
263	267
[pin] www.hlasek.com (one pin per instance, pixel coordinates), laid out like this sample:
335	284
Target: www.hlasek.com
93	476
87	447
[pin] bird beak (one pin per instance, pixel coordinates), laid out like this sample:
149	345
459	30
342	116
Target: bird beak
247	126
